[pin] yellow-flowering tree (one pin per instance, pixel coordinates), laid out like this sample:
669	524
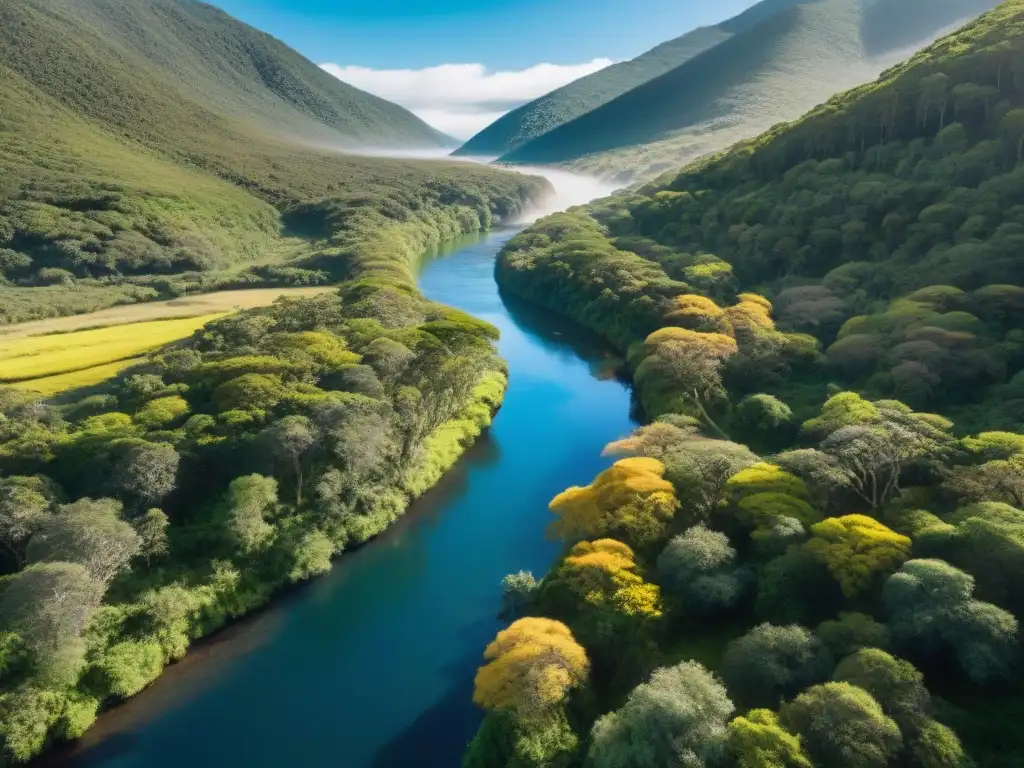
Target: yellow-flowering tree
698	313
599	590
530	669
857	548
765	493
630	499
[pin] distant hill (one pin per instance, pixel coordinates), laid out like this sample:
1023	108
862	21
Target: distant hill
541	115
146	138
774	62
80	51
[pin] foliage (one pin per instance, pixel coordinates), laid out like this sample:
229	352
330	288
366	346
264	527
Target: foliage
770	663
698	569
517	591
531	668
932	614
867	738
851	632
678	717
757	740
857	548
630	499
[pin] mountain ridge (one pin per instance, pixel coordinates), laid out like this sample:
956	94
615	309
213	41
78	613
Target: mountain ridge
726	93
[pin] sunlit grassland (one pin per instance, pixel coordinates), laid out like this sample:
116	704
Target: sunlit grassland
32	358
68	382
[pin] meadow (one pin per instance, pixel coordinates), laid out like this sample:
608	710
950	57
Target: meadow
58	362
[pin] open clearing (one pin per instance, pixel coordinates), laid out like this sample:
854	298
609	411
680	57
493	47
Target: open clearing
35	357
186	306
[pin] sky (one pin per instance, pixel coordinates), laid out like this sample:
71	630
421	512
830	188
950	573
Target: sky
461	64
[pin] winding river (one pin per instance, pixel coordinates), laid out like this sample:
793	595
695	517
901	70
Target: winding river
372	666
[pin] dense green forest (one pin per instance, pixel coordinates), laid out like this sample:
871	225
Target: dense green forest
811	554
213	474
156	148
754	75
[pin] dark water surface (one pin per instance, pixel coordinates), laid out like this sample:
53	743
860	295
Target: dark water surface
372	666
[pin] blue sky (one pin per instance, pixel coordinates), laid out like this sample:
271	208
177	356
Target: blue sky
366	38
502	34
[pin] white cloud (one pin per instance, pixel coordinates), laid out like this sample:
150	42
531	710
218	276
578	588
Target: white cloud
462	99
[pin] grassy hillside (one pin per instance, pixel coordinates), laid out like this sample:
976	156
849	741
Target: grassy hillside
154	148
541	115
824	325
565	104
761	74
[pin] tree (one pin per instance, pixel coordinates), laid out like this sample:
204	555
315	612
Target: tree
895	684
290	439
531	667
699	569
631	497
312	555
506	741
851	632
763	420
697	467
147	472
251	500
599	589
795	587
23	510
856	549
757	740
90	533
130	666
870	444
162	412
999	480
152	530
932	612
48	604
866	738
936	746
770	663
677	718
517	591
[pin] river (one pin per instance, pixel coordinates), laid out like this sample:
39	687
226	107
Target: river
372	665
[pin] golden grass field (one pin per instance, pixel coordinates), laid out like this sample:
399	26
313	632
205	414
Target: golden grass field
186	306
87	357
65	382
61	354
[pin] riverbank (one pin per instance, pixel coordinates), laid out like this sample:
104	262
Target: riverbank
418	601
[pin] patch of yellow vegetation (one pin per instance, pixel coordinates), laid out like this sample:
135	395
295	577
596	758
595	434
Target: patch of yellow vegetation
65	382
36	357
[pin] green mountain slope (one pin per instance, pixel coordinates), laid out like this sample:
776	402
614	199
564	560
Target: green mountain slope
788	60
888	223
227	68
564	104
149	148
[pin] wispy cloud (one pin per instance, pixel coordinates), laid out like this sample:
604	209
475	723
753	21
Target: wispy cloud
461	99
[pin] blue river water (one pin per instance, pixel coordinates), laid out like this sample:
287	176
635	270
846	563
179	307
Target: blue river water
372	666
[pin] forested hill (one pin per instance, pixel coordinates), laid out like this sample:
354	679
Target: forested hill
105	58
813	553
761	74
887	223
156	147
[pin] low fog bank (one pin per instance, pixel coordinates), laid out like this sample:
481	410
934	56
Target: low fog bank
569	188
